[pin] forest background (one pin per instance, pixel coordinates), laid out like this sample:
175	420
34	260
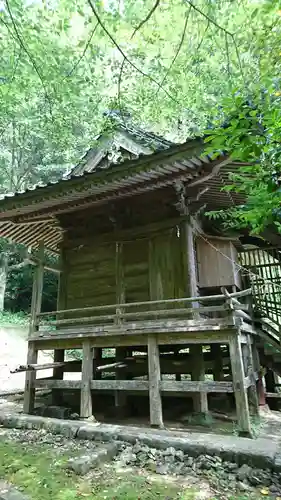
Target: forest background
176	67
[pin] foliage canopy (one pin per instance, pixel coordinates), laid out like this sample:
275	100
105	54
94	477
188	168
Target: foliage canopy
179	67
170	64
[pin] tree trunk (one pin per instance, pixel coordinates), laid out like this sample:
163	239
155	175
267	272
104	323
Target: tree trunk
3	278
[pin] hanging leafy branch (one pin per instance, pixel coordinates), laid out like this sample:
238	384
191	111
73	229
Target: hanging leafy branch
146	19
21	42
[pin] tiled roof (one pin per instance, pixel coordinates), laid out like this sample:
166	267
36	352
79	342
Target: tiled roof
101	155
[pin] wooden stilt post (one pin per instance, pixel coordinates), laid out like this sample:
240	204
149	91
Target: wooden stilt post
97	357
240	392
87	374
155	402
32	353
61	304
120	396
252	390
217	362
198	374
258	370
58	375
30	377
190	263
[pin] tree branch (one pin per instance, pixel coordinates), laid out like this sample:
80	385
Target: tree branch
19	40
83	53
146	18
178	49
224	30
126	57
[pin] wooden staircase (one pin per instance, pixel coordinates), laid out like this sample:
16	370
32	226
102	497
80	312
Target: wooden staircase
262	272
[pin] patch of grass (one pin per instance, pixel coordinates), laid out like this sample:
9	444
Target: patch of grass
41	474
9	318
199	419
256	426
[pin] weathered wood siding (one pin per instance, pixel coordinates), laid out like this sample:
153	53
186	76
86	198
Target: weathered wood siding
136	276
167	265
91	275
93	271
216	263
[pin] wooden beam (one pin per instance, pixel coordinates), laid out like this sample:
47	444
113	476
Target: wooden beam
154	374
196	386
165	386
36	262
276	395
87	375
140	327
120	315
118	364
58	384
240	391
120	385
206	298
107	385
36	367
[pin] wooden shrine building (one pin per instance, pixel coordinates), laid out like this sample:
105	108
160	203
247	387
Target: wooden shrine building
143	272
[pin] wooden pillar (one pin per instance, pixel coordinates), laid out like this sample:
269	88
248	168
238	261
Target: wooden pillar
241	399
120	396
32	353
217	362
154	374
258	370
87	374
119	276
97	357
200	399
157	282
30	377
57	398
189	263
252	390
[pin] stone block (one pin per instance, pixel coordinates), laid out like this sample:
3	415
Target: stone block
8	492
83	464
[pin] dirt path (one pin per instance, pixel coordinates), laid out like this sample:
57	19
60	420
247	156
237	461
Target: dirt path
13	352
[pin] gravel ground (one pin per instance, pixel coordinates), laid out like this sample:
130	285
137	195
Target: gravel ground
217	476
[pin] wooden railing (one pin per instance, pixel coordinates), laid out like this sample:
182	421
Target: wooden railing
262	271
191	309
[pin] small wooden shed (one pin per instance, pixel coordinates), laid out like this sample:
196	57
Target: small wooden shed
138	274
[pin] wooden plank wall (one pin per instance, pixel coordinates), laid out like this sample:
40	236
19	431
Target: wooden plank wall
216	263
91	275
136	275
91	269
